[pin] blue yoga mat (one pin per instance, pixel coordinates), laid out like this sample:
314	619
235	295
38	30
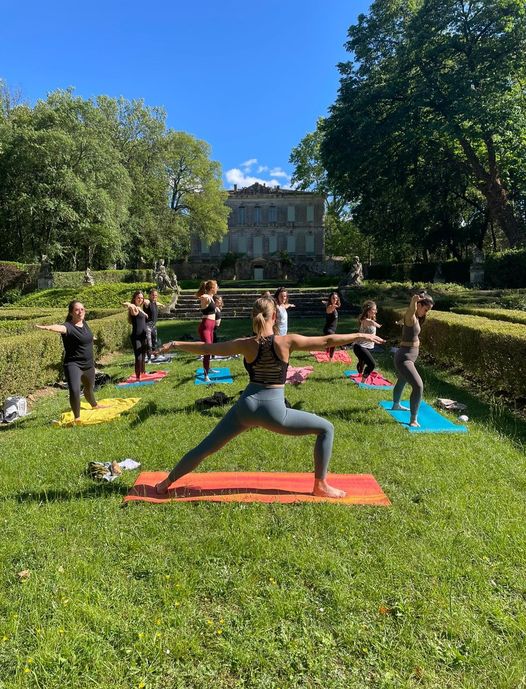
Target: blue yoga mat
364	385
137	384
429	419
216	375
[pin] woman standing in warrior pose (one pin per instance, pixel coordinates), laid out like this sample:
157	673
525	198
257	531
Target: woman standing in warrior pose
138	318
79	366
281	297
262	404
205	294
332	305
407	354
363	350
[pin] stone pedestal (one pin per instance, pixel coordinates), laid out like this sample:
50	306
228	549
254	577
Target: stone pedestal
476	274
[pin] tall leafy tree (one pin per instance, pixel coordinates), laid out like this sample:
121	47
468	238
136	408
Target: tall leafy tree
434	82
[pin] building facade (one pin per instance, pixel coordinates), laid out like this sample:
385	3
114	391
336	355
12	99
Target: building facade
268	227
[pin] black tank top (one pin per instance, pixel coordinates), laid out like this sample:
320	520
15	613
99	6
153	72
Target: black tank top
139	325
152	311
330	319
78	345
267	368
210	309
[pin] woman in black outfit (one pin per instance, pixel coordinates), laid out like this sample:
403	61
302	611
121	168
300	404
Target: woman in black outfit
138	317
331	318
79	366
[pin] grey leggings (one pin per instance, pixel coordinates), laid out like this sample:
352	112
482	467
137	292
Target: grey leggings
404	362
75	375
261	407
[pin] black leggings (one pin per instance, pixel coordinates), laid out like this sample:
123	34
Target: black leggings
329	350
366	362
75	375
140	349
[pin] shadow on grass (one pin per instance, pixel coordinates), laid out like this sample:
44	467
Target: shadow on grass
493	414
95	490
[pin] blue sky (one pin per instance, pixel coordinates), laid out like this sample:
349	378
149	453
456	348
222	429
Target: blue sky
250	78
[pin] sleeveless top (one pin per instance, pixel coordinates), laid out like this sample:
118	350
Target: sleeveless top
331	320
267	368
410	333
139	325
210	309
282	319
152	311
78	345
368	329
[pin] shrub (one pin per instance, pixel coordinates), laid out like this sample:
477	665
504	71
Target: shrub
506	268
105	296
452	271
11	278
489	351
75	279
508	315
34	359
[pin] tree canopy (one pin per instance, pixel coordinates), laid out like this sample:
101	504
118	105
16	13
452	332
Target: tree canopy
90	182
427	138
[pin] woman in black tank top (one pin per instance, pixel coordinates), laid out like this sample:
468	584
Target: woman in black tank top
332	305
79	365
262	404
138	318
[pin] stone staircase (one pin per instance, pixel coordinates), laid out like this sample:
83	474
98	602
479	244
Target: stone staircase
238	304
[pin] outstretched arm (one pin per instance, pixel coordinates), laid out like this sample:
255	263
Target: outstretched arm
240	346
132	308
302	343
370	321
53	328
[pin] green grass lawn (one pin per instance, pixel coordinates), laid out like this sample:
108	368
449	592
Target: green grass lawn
430	592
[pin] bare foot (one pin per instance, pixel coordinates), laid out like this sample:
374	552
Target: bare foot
101	406
207	379
399	407
323	490
414	424
77	422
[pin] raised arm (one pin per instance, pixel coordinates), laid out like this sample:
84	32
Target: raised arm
132	308
410	314
57	328
244	345
302	343
370	321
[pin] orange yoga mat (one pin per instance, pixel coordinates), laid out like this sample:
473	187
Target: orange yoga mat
361	489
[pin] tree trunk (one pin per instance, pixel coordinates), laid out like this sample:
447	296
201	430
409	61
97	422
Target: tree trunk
502	212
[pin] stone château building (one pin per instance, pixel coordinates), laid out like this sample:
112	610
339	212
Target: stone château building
270	231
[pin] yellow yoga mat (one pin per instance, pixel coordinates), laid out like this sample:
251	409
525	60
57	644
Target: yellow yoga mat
112	409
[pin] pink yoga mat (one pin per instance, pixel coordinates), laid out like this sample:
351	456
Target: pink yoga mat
361	489
296	375
156	375
375	379
340	356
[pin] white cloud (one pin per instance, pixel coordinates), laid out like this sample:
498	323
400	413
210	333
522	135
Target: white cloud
243	178
247	165
278	172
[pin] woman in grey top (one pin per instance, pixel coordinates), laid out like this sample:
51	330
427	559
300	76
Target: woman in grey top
407	354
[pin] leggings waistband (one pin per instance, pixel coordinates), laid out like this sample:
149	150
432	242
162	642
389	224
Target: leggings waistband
262	392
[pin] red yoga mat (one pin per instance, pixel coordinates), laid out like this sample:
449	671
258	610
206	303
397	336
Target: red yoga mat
340	355
361	489
156	375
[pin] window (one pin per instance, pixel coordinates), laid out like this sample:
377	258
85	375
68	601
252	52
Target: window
272	214
309	243
242	245
310	213
291	244
291	213
224	245
241	216
257	215
205	247
272	245
258	246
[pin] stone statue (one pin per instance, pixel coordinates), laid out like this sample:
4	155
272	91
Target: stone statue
354	277
45	274
88	278
164	284
476	269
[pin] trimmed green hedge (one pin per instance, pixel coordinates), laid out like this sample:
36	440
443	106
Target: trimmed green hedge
506	268
452	271
99	296
489	351
26	323
34	359
75	279
508	315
